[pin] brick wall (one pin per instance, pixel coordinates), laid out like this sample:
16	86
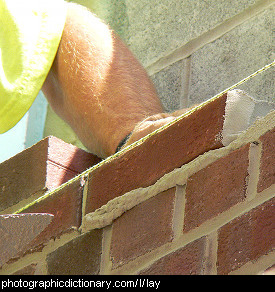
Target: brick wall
177	203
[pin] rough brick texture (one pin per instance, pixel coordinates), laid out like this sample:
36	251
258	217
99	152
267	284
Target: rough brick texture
216	188
80	256
66	206
43	166
267	166
246	238
143	228
185	261
17	231
180	143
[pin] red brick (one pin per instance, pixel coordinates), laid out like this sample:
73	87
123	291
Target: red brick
70	156
43	166
17	231
80	256
65	205
143	228
216	188
267	166
185	261
161	153
246	238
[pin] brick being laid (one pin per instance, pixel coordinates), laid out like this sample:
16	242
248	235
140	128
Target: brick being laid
164	151
158	155
171	155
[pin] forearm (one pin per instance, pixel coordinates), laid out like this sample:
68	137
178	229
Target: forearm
97	85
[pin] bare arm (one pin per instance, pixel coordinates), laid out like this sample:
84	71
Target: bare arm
96	85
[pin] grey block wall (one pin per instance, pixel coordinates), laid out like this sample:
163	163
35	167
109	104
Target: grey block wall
232	57
194	49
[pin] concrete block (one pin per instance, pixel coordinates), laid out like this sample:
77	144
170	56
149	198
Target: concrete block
158	27
234	56
113	12
168	83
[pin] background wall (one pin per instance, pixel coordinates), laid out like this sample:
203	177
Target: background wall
192	49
